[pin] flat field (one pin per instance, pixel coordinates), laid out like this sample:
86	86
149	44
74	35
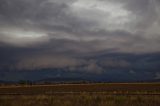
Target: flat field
103	94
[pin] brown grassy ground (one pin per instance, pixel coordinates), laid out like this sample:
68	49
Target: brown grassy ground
81	95
123	88
83	99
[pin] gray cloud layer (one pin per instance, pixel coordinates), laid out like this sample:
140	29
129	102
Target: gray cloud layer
58	33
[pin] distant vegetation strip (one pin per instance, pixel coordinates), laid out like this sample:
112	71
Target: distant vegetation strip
105	88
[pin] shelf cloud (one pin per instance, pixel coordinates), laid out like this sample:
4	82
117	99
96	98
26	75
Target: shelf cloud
37	34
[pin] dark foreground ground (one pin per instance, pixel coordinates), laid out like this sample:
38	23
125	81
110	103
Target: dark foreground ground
117	94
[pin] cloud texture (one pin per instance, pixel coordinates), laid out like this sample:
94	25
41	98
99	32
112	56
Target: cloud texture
37	34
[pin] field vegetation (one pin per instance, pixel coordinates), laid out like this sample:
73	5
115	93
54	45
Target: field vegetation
117	94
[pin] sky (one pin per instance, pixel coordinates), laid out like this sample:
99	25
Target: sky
92	39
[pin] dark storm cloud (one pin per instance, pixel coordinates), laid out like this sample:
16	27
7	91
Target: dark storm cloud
46	15
37	34
72	20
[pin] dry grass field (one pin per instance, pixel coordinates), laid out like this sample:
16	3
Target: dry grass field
117	94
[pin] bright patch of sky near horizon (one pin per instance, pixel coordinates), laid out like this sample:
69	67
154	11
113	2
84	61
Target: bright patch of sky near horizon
23	34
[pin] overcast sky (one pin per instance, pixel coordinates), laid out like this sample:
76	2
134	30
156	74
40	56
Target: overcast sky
37	34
